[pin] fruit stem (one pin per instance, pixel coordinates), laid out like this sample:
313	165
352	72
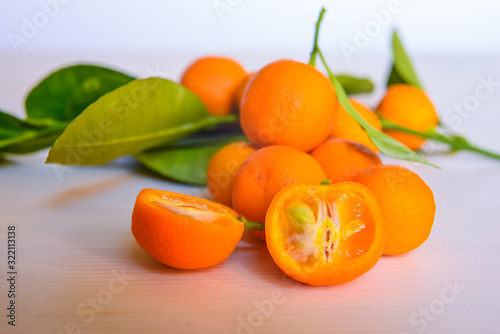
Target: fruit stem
456	143
250	225
312	60
225	119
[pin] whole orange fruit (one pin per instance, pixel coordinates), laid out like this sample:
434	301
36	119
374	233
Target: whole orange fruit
346	127
343	159
183	231
215	80
265	172
407	204
411	108
223	167
288	103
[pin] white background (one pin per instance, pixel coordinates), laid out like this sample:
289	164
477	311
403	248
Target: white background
247	26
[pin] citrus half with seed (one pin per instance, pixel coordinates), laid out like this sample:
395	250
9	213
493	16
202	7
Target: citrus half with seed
325	234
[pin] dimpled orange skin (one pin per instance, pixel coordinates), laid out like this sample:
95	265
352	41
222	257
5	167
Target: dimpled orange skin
409	107
346	127
264	174
222	170
407	204
355	255
179	240
343	159
288	103
215	81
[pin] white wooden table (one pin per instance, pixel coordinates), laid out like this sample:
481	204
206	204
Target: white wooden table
80	270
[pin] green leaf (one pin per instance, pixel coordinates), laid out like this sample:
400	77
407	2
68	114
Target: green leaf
385	143
64	94
395	78
185	164
402	70
18	136
353	85
141	115
10	126
34	140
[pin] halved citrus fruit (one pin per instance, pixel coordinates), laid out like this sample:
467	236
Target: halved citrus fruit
183	231
325	234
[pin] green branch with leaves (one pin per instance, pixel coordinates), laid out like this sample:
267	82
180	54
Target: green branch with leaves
404	72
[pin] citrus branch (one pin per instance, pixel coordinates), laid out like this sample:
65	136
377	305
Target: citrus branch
312	60
456	143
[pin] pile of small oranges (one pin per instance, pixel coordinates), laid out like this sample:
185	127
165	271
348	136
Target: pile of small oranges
309	181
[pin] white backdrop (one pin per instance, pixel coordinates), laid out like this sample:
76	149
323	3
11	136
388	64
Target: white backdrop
245	26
